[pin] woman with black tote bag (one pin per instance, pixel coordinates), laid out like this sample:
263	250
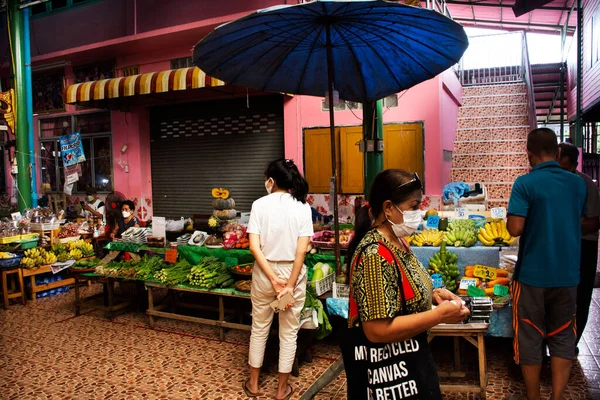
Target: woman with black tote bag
385	350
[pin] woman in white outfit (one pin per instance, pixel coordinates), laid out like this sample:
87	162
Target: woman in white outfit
280	228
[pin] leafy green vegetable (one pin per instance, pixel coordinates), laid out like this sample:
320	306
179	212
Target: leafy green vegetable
312	301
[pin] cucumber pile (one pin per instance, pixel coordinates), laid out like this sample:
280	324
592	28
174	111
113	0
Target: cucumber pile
211	273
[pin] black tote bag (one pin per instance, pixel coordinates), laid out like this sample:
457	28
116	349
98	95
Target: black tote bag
383	371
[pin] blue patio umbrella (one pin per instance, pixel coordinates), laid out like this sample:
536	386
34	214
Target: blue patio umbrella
365	50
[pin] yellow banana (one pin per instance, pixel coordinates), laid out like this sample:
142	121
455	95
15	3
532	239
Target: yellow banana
485	241
510	241
485	234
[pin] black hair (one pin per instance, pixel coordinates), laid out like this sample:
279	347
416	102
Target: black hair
570	151
286	175
391	184
542	142
128	203
91	190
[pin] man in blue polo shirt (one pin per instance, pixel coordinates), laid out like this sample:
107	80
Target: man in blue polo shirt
545	210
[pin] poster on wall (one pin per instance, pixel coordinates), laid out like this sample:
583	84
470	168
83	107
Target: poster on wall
71	149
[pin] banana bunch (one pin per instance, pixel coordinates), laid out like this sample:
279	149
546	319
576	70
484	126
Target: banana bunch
430	237
87	250
75	254
5	254
59	248
33	258
76	244
467	224
444	263
410	239
460	237
63	257
49	258
28	263
495	232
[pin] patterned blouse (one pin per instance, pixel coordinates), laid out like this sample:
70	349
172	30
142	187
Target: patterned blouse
374	292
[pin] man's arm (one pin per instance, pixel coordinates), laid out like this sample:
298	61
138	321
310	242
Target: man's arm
518	209
515	225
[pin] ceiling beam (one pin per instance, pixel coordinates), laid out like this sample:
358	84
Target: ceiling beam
503	5
523	24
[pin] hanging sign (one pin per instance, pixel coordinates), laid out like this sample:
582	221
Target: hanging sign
71	149
74	169
68	189
72	178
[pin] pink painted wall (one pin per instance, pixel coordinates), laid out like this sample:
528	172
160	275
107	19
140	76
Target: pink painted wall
450	101
292	127
418	104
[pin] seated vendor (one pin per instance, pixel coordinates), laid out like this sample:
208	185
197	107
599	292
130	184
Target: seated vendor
127	221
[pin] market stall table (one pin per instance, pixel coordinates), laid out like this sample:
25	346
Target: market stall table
35	288
108	294
222	322
474	334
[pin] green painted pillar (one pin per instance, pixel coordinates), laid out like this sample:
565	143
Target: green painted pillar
21	125
372	130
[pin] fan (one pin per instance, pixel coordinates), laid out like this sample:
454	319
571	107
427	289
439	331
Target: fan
113	208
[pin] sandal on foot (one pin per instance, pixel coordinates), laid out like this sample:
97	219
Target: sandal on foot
247	391
289	396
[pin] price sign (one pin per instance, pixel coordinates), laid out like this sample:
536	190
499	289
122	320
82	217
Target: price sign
461	213
498	213
474	291
466	282
171	256
16	216
501	290
484	272
433	221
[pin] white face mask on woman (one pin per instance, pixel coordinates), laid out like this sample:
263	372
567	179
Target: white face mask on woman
412	220
269	188
126	214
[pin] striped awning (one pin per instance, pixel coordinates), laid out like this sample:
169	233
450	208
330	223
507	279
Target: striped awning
153	82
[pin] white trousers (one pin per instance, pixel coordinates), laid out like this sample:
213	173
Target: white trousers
262	296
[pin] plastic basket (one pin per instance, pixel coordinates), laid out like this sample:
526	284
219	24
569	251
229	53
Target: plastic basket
341	291
27	244
13	262
10	239
30	236
324	285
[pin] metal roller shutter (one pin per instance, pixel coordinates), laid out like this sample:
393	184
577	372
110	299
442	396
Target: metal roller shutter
196	147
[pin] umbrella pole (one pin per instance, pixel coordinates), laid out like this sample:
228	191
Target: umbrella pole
336	219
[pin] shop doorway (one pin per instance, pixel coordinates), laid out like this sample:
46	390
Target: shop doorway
198	146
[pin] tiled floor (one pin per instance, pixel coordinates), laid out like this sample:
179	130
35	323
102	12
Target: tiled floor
45	353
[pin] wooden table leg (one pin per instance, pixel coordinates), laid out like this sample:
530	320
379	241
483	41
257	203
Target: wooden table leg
33	293
22	288
110	286
150	307
5	289
456	353
77	299
482	365
221	317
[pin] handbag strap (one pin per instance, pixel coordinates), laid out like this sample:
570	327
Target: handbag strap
399	269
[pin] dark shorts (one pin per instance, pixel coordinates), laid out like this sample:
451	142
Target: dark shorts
543	313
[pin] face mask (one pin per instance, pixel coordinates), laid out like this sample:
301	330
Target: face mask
126	214
269	188
412	220
90	198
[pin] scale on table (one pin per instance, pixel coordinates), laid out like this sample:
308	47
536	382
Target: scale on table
481	309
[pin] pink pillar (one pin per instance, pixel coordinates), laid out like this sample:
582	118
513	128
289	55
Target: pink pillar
292	129
132	173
